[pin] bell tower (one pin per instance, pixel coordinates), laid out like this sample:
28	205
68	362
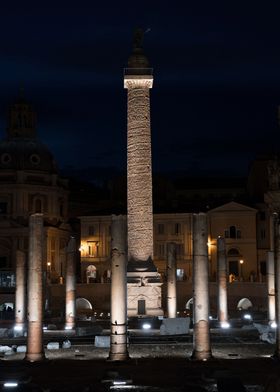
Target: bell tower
22	119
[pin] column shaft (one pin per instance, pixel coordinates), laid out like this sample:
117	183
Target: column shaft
139	173
70	285
20	298
270	287
118	337
171	281
277	287
222	281
35	351
201	333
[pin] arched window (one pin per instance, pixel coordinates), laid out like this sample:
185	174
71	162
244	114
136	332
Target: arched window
233	252
91	273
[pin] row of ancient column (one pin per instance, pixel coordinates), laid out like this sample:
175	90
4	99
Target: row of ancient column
35	295
118	347
201	330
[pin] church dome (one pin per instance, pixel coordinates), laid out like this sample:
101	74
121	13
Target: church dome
21	150
26	154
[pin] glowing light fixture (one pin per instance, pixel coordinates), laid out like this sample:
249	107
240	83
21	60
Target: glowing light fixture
146	326
10	384
18	328
225	325
247	316
67	327
273	325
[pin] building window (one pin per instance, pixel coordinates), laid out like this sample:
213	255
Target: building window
6	158
177	228
233	252
232	232
180	249
92	248
91	274
160	228
3	262
161	250
180	274
3	207
263	267
35	159
233	267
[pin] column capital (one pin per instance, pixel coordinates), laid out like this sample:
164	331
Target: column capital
136	81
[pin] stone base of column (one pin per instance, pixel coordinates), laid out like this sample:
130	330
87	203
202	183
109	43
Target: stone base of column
35	357
118	357
35	350
70	325
201	355
118	343
201	341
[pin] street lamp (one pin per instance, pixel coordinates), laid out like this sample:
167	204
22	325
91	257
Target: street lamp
241	269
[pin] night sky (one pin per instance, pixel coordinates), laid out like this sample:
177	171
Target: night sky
216	79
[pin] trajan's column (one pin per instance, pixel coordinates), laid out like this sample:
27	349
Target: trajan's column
144	287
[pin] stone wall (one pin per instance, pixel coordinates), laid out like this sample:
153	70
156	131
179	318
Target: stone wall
99	295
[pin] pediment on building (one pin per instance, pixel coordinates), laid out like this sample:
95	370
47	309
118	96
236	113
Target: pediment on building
233	207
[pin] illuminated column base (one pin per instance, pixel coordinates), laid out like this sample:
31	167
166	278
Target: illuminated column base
171	281
35	342
118	337
35	350
70	285
201	332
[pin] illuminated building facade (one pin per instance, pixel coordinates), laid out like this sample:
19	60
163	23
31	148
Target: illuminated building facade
233	221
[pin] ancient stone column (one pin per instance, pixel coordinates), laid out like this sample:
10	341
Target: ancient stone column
277	287
171	281
138	80
118	337
201	332
271	287
222	283
20	297
139	168
70	285
35	351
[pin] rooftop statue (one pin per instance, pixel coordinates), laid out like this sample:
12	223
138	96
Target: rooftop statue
138	37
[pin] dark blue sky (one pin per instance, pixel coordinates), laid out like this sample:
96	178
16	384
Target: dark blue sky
216	79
